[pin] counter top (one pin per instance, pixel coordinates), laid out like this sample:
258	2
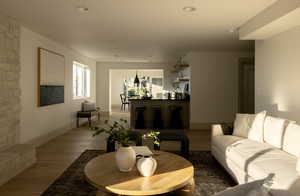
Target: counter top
156	99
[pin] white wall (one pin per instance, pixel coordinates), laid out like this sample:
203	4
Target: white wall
117	77
37	122
278	75
103	78
214	86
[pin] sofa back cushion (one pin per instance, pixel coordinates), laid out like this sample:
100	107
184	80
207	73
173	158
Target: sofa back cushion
257	126
291	137
242	125
249	126
273	130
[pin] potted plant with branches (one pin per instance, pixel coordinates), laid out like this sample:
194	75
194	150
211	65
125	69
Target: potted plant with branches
119	132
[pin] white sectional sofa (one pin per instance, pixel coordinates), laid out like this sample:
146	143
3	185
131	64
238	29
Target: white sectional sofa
260	145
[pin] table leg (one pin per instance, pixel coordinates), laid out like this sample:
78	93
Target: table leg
188	190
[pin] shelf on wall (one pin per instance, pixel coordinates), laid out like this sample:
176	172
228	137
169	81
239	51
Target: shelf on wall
179	67
181	80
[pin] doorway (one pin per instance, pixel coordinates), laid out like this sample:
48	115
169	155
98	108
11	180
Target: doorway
122	82
246	95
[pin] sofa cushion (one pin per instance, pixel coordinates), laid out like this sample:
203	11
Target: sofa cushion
260	159
243	151
291	137
273	131
256	130
242	124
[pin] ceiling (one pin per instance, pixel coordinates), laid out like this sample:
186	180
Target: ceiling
137	30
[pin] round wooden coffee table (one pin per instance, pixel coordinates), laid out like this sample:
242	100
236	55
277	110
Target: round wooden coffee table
173	173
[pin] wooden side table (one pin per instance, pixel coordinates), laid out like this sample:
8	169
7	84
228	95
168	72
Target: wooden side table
173	173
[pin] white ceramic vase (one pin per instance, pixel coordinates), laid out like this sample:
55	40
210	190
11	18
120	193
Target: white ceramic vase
147	166
125	159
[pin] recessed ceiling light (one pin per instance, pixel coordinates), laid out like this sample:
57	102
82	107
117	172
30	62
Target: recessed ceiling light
189	9
82	9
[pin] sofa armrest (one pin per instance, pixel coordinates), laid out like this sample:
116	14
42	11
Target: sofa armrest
221	129
216	130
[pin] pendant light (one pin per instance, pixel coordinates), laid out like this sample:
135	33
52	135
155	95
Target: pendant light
136	80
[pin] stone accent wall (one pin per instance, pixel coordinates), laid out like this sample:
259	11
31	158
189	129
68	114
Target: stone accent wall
9	82
14	157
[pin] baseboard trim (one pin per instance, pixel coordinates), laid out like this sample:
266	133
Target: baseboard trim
116	105
39	141
104	113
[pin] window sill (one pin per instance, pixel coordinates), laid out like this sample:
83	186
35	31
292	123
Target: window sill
80	98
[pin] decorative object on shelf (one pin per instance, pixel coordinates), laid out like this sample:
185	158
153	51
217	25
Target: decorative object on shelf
147	166
136	80
180	65
119	132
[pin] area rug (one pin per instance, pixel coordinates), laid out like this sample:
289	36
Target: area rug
210	177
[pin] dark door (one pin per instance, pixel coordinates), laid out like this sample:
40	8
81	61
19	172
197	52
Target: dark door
246	98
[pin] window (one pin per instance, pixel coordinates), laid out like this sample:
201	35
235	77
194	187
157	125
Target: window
157	87
81	81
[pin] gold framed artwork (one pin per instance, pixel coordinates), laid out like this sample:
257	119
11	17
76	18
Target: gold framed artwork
51	77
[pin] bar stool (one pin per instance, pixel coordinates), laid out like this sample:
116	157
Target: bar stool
175	118
157	117
140	117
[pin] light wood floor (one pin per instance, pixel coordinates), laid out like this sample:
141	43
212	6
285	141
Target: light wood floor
56	155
